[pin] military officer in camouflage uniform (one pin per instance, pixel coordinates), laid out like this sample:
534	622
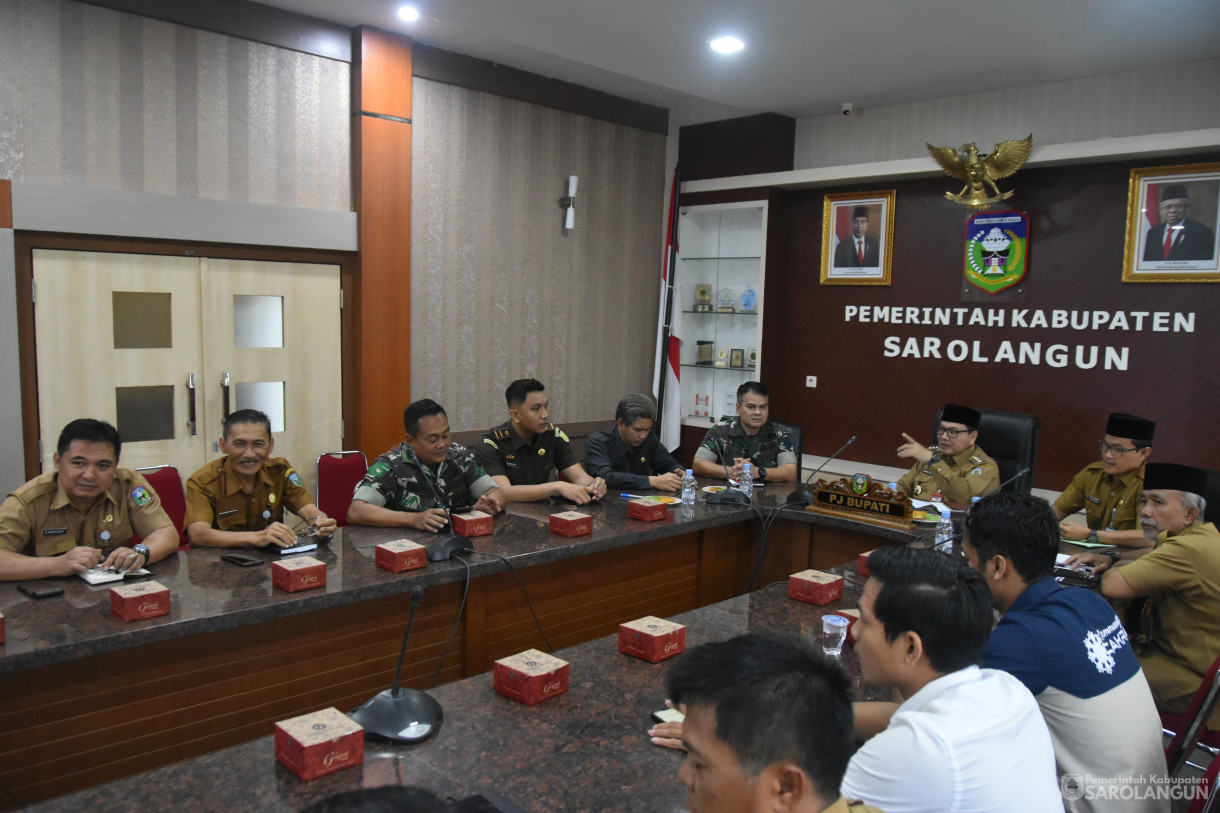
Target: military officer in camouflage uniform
748	438
521	453
956	468
239	500
413	485
1109	489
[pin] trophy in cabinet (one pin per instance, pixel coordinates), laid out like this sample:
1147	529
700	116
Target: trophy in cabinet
703	298
725	301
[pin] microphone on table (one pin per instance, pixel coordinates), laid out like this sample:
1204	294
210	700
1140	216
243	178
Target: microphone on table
1000	487
801	495
442	551
398	714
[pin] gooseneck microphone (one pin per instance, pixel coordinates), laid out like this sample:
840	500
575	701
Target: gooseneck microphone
444	550
801	495
398	714
1000	487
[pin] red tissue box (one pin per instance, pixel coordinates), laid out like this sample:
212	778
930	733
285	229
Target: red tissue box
300	573
647	510
400	555
571	523
853	618
862	564
651	638
316	744
815	586
131	602
530	677
472	523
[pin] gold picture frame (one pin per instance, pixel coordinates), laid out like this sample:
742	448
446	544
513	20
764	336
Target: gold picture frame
1192	253
869	259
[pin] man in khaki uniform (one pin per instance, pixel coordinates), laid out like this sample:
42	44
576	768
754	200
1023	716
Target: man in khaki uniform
956	469
1109	489
83	513
239	499
1182	575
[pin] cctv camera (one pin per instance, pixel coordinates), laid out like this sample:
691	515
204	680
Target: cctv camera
846	108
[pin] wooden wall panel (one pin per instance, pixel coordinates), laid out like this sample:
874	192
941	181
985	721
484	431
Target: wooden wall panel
6	203
379	321
1078	221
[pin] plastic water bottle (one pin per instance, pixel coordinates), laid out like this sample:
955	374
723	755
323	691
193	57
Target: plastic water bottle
894	487
747	481
689	486
944	530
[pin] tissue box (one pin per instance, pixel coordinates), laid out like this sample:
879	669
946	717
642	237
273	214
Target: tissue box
647	510
472	523
651	638
815	586
400	555
131	602
300	573
571	523
316	744
862	564
853	618
531	677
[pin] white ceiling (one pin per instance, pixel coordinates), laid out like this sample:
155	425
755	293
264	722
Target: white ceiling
803	58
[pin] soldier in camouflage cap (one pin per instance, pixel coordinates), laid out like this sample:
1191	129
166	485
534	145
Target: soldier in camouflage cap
748	438
402	487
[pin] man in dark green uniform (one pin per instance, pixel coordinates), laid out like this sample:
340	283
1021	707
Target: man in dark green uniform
402	487
955	468
1109	489
749	438
521	453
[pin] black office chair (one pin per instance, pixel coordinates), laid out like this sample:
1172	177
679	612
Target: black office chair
1212	512
1011	439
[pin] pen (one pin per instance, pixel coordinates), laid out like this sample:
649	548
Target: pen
627	496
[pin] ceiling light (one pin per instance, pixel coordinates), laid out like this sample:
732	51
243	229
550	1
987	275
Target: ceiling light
727	45
408	14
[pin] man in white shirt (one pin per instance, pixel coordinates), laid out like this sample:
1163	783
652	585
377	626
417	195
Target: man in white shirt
965	739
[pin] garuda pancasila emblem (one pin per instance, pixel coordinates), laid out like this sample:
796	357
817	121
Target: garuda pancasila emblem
981	173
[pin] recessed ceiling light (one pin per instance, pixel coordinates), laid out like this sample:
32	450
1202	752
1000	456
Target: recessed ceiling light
408	14
727	45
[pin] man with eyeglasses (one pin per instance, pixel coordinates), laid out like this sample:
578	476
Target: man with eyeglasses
955	468
751	438
1109	489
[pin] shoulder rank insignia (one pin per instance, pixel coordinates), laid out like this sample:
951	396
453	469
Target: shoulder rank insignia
559	433
976	460
295	478
140	496
500	434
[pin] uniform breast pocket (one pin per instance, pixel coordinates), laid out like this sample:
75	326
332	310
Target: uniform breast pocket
233	520
53	541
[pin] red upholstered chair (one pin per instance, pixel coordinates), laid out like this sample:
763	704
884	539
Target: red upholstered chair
1191	728
338	474
1205	800
167	482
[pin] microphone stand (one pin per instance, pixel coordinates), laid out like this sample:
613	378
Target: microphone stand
801	495
398	714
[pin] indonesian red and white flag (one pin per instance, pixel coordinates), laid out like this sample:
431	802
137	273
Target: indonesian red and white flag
669	399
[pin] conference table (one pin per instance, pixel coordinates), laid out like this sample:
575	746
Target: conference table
86	698
585	750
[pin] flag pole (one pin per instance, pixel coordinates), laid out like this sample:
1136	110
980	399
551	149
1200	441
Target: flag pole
670	271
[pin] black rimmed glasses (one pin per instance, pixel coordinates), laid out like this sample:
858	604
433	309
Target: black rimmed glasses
950	432
1118	450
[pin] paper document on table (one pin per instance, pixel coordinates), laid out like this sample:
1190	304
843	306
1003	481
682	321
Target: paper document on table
1083	544
924	505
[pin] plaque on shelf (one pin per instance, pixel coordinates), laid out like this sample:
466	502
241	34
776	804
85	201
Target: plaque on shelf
703	298
722	357
703	351
737	358
725	301
752	357
749	300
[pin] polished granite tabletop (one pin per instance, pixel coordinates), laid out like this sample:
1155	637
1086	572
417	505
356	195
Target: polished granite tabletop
210	595
587	750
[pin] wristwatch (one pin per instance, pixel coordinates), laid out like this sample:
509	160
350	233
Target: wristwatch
1092	538
1113	554
762	473
142	549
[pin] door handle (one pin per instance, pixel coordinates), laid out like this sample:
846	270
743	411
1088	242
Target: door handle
191	423
224	389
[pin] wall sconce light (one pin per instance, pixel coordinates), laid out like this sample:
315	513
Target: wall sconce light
569	204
